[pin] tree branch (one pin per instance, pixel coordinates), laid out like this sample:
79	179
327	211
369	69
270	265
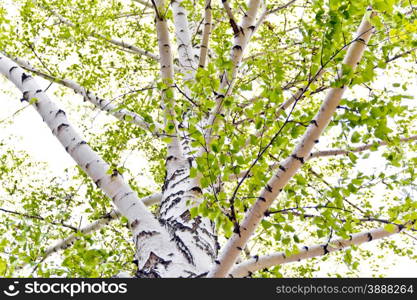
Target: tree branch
36	217
103	104
241	40
167	76
292	164
231	17
335	152
206	35
258	263
97	225
111	182
119	43
185	49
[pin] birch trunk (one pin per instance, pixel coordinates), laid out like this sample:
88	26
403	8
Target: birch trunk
157	253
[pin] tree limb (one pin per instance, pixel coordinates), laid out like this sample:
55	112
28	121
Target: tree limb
292	164
103	104
335	152
167	76
258	263
36	217
97	225
231	17
111	182
119	43
241	40
206	35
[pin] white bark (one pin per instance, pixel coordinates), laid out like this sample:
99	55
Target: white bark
97	225
142	223
103	104
258	263
206	35
185	49
293	163
241	40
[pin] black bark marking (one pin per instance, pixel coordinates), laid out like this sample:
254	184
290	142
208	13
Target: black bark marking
60	111
325	250
171	157
183	248
38	91
217	262
25	96
196	189
235	29
186	216
190	161
134	224
267	213
175	184
205	246
97	182
262	199
62	126
11	69
236	229
300	159
305	247
115	173
201	275
282	168
370	238
25	77
149	270
239	248
179	193
314	122
143	234
316	141
172	204
268	188
256	258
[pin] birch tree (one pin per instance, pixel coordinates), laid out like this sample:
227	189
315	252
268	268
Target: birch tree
276	136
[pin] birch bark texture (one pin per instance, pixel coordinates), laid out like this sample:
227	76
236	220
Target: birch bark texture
159	255
171	240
